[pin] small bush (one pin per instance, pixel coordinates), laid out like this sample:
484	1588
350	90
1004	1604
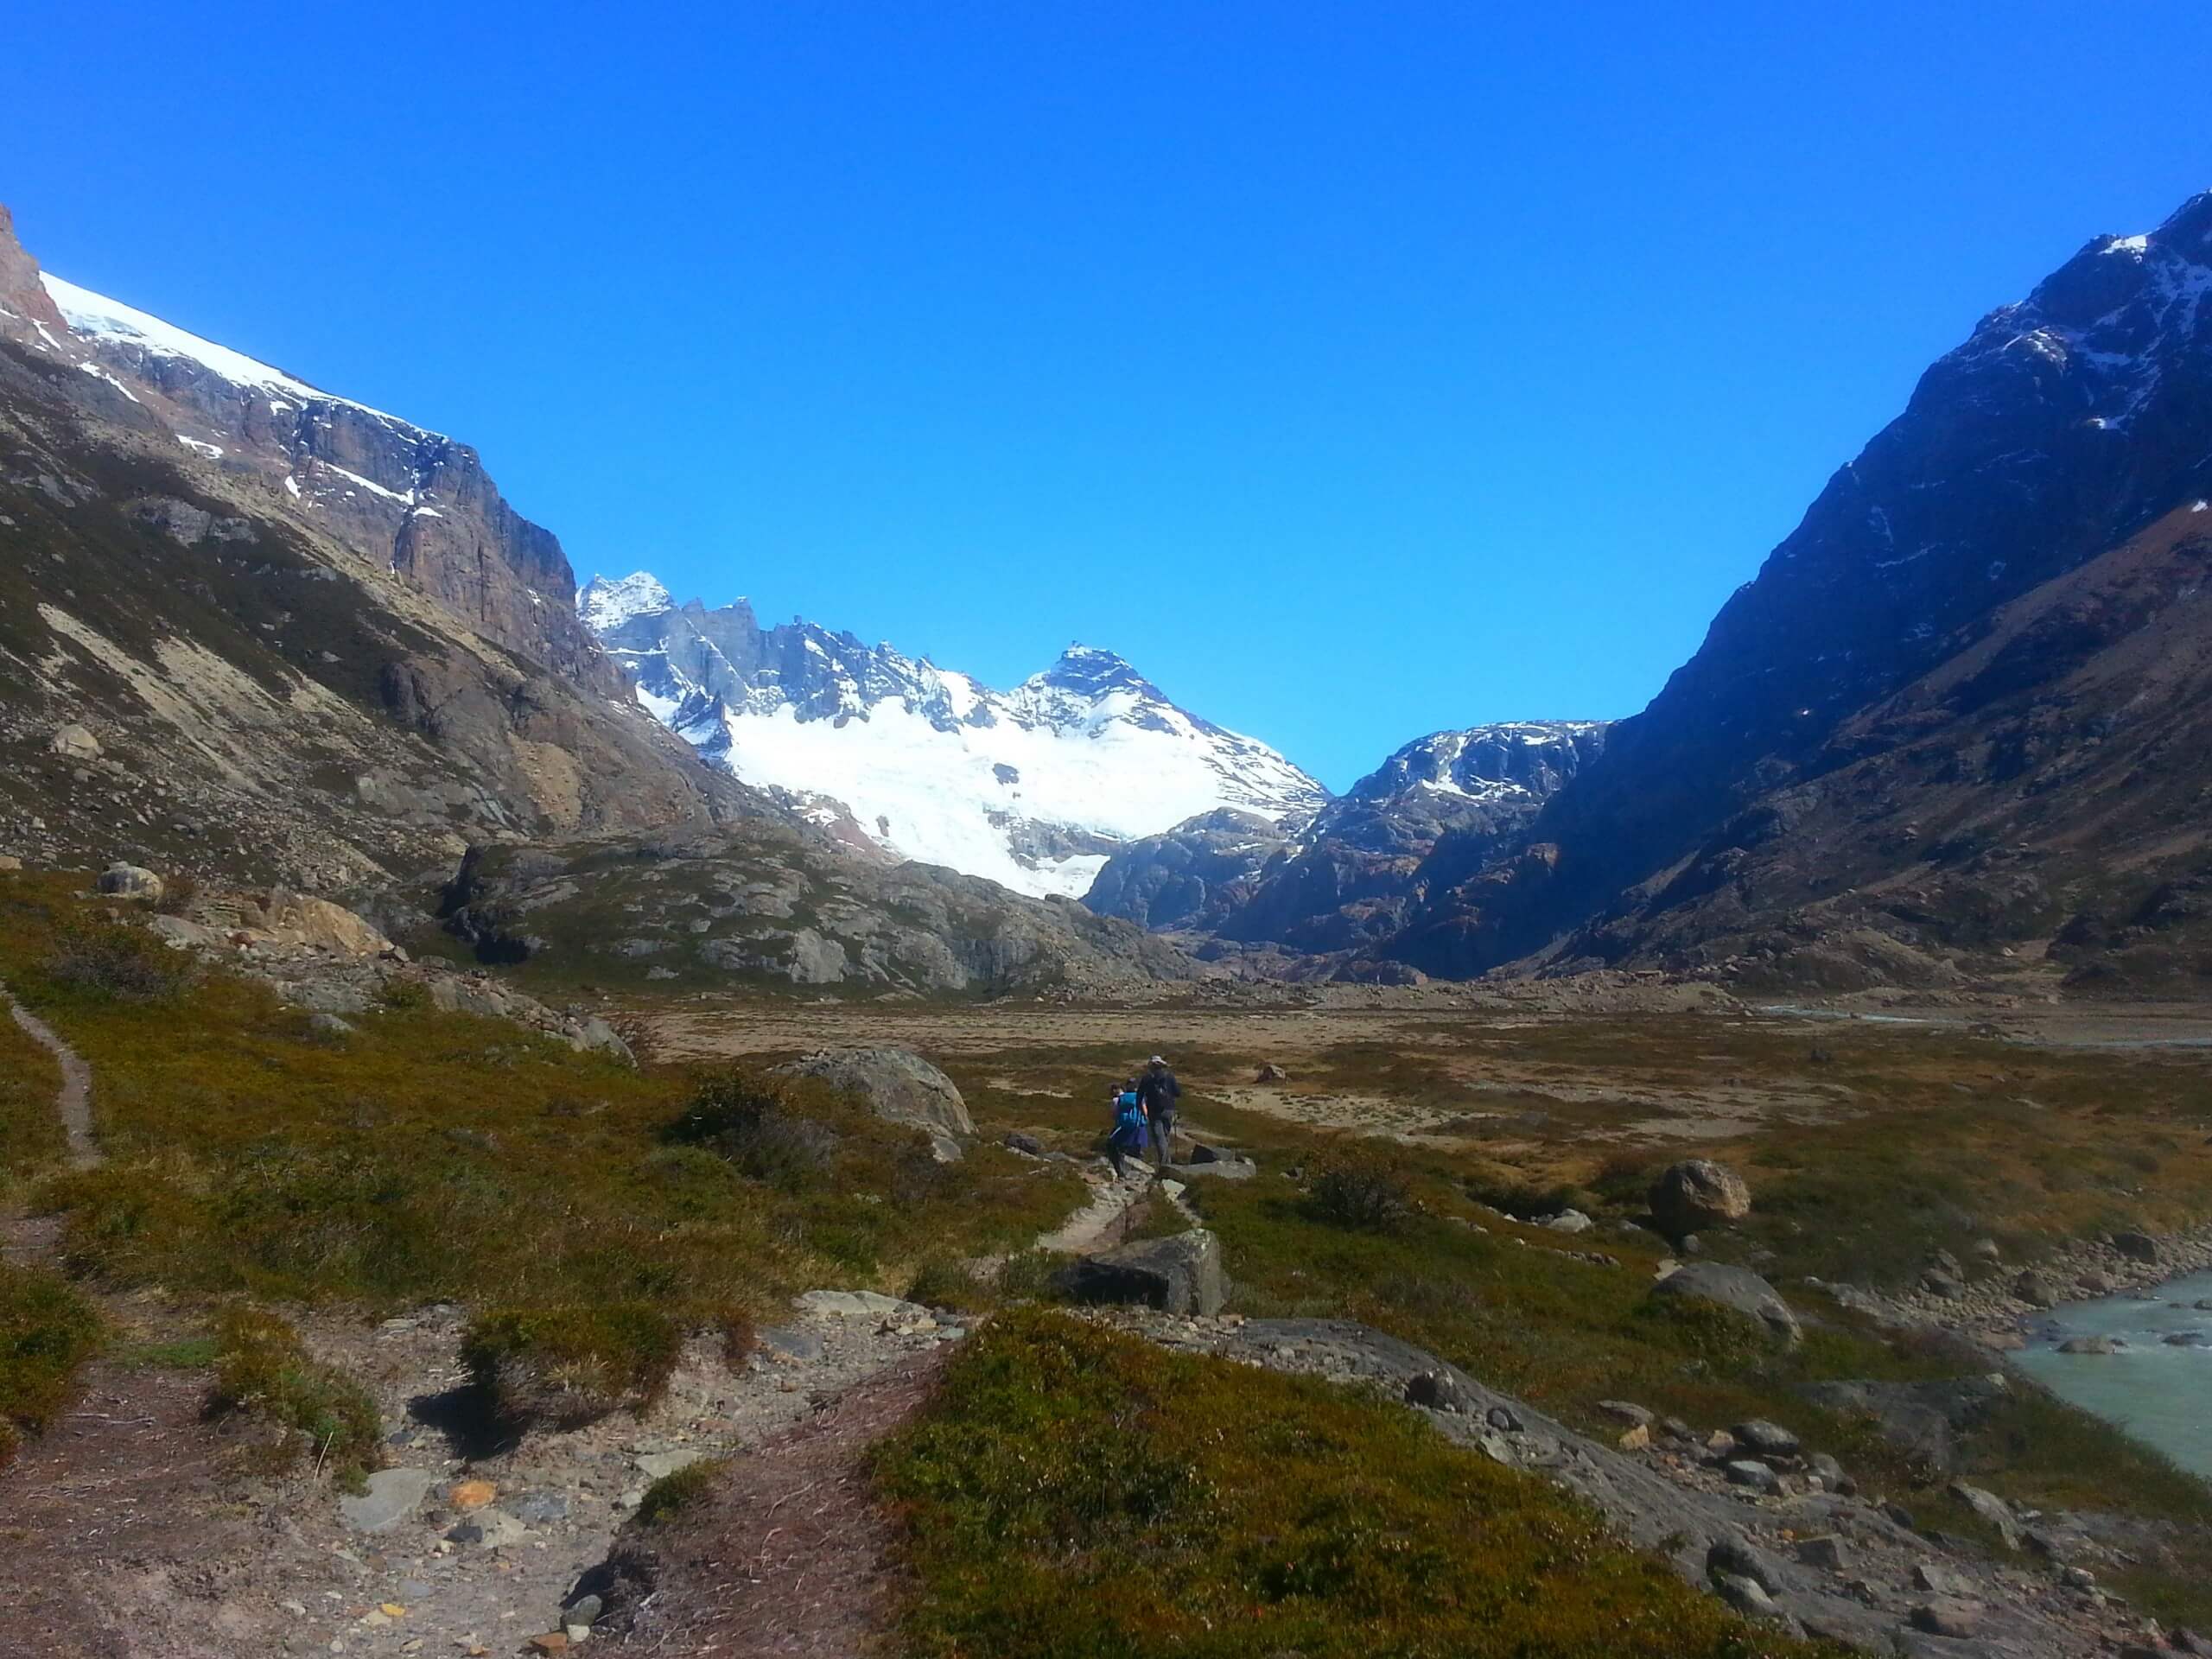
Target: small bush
262	1367
942	1282
404	995
104	958
671	1495
567	1366
751	1123
46	1331
178	892
1361	1190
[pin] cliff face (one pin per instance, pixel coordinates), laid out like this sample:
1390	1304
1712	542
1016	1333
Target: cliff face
410	500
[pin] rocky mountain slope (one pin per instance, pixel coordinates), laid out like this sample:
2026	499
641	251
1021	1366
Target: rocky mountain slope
272	677
1033	787
1346	880
1959	712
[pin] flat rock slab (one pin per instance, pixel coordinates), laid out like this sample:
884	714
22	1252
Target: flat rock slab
393	1495
859	1305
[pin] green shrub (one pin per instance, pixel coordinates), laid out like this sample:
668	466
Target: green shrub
46	1331
1360	1188
943	1282
750	1122
572	1365
1073	1491
113	959
262	1367
671	1495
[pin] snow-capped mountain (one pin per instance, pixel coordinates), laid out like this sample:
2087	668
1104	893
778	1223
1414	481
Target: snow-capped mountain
1347	876
1033	787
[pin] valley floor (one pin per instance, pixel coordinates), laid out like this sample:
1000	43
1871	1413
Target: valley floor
400	1188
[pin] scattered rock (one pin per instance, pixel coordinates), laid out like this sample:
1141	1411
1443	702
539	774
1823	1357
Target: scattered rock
2086	1346
1696	1193
2001	1342
659	1465
1029	1145
1745	1595
1628	1412
8	862
1937	1579
1768	1439
1826	1551
1991	1509
1985	1250
131	882
1832	1474
1271	1073
2035	1290
393	1496
2136	1246
787	1344
75	742
1569	1221
860	1305
467	1495
492	1528
1957	1620
1503	1418
1749	1471
1734	1557
1941	1281
1734	1287
1635	1439
1179	1274
1437	1391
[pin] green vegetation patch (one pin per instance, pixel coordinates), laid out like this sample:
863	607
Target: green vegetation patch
262	1367
672	1494
571	1365
1074	1492
46	1331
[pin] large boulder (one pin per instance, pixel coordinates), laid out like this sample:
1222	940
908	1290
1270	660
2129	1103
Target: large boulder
296	921
900	1087
1698	1193
1179	1274
131	882
1737	1288
75	742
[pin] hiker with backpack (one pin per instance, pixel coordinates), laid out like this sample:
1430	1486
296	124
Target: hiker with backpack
1159	1093
1128	1136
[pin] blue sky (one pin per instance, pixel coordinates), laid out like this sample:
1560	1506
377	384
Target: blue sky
1356	371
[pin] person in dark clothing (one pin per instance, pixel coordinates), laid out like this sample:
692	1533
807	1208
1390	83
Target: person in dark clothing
1128	1136
1160	1093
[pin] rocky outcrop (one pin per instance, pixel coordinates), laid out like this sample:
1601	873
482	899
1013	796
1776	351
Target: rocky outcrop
1193	877
778	905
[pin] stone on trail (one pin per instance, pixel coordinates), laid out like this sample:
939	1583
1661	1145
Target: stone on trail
1178	1275
900	1087
466	1495
1732	1287
1698	1192
393	1496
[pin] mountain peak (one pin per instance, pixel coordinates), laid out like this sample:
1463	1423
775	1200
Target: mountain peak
605	603
1092	671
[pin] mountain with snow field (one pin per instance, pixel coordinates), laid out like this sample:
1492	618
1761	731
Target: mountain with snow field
1033	787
